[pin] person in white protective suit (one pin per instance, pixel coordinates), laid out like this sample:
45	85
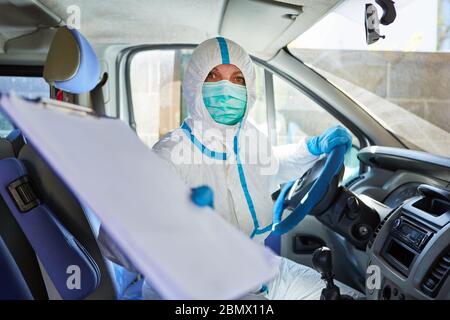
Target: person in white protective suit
235	159
216	146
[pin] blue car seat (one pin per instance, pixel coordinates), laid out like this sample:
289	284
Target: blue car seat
13	236
78	71
14	286
68	264
44	219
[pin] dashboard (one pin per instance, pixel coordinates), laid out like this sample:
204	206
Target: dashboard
411	248
401	194
409	252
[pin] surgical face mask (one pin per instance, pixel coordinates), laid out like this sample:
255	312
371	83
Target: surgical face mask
225	101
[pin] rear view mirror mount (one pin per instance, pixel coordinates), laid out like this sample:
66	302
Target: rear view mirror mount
372	24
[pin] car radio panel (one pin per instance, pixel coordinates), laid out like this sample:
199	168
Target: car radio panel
410	233
406	240
410	247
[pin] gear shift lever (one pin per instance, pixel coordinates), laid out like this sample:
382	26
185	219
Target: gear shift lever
322	262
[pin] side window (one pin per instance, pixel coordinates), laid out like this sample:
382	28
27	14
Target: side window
28	87
297	116
155	80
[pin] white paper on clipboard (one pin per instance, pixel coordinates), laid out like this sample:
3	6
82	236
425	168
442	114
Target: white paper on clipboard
187	252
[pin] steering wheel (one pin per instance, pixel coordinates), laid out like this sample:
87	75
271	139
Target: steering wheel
311	194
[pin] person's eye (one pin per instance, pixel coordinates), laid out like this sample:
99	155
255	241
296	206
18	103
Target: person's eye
211	76
240	80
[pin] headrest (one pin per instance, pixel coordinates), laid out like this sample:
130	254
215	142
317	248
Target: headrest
72	64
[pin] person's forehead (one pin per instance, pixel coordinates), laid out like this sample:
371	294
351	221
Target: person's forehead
226	68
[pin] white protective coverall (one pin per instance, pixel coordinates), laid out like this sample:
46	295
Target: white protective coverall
238	164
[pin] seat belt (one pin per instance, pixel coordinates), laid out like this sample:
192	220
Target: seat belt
97	98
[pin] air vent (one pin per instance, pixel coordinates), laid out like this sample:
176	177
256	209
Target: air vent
437	275
374	235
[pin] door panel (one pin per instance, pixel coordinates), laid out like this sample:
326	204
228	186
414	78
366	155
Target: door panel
348	263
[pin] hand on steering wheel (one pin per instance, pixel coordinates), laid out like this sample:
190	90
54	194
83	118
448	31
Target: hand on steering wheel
328	140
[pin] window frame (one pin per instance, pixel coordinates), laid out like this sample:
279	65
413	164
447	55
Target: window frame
320	102
32	71
129	55
362	139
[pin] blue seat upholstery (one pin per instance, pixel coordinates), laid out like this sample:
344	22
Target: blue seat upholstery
68	264
71	66
13	285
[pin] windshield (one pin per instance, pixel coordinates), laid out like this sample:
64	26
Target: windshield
403	81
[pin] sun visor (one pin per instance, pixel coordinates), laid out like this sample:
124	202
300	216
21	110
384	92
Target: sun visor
72	64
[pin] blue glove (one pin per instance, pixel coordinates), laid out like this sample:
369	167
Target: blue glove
203	196
331	138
